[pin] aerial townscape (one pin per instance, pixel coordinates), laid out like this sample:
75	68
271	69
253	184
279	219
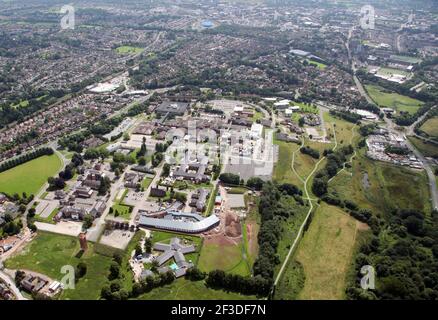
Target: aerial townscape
219	150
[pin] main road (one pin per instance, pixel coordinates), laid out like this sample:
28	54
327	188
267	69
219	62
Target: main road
11	285
392	127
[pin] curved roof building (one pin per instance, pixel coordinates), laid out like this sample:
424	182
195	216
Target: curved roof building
181	222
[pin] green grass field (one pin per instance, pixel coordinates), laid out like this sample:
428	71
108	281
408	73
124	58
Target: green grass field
426	148
319	65
391	71
182	289
124	211
223	257
128	50
325	254
431	127
407	59
393	100
30	176
146	182
48	252
282	169
382	187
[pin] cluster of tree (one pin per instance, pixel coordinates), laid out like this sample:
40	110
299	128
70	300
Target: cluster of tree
162	147
367	129
229	178
194	274
56	183
216	171
346	115
156	159
405	266
96	153
255	183
272	212
311	152
11	226
25	158
397	150
233	282
335	161
105	185
80	270
71	168
152	282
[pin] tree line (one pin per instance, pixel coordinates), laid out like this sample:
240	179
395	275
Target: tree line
9	164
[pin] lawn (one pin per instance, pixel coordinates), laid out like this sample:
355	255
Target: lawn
128	50
431	127
146	182
124	211
227	257
48	252
29	177
325	254
427	149
319	65
407	59
393	100
237	190
182	289
390	71
282	169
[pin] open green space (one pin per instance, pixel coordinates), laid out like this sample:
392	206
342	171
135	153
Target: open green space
237	190
283	168
146	182
129	50
182	289
29	177
391	71
325	253
430	127
122	211
407	59
319	65
382	187
393	100
48	253
428	149
227	257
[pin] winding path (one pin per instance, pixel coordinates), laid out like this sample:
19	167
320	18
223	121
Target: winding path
306	191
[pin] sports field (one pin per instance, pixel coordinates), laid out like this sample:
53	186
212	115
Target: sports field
213	255
393	100
49	252
29	177
128	50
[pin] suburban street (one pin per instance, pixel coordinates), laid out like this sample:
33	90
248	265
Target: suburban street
11	285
